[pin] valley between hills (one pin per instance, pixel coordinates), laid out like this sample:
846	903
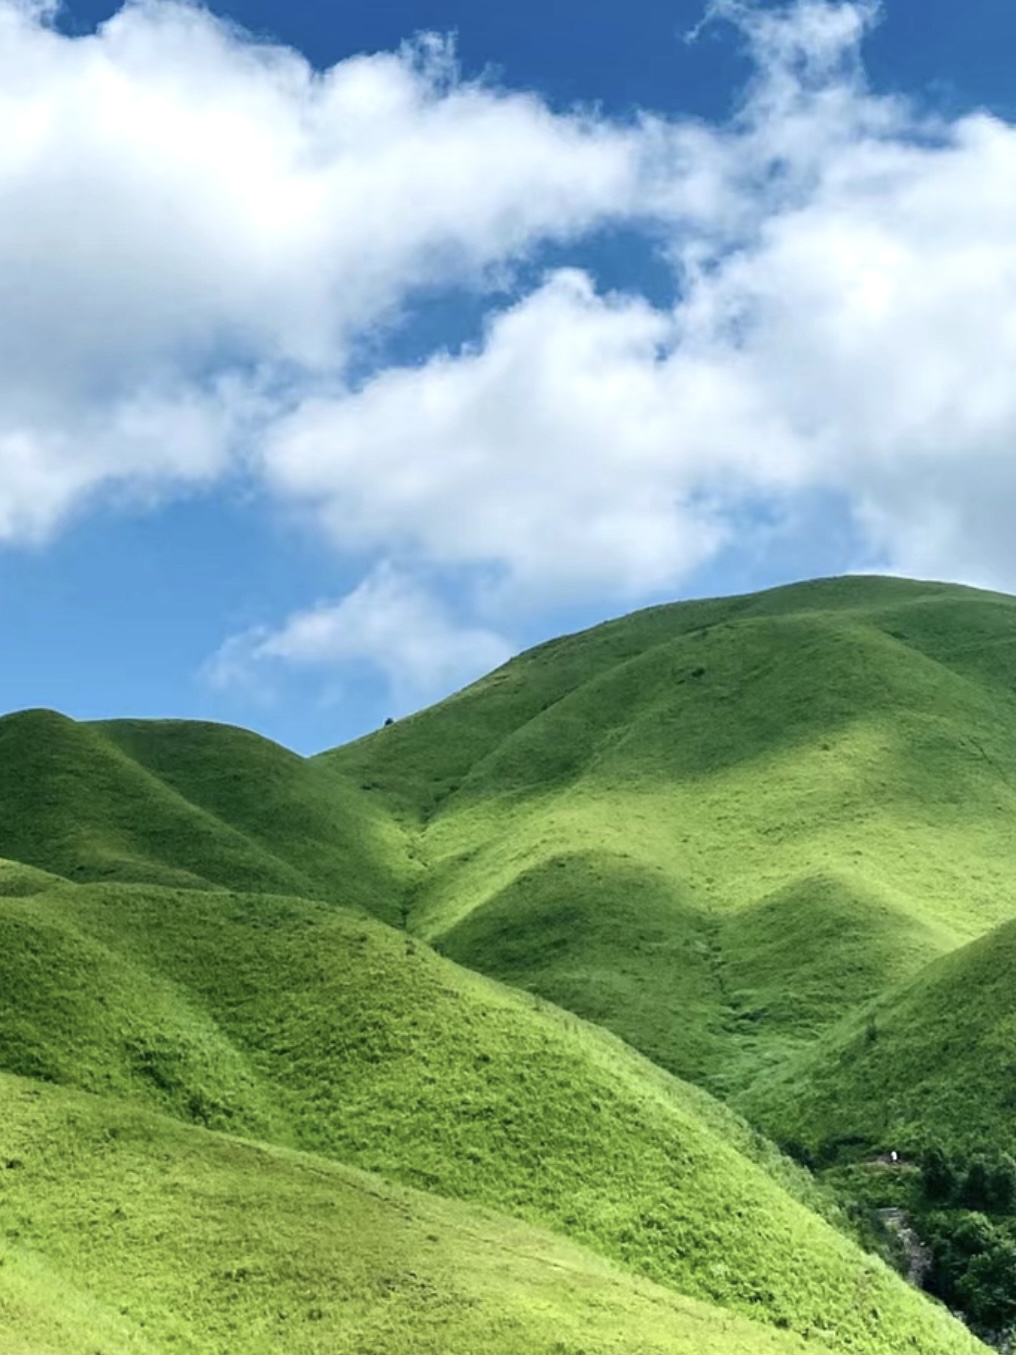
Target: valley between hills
652	994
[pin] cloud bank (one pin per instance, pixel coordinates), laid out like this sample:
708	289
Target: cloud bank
200	234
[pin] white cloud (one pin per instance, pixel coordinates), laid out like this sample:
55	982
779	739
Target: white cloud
197	231
147	443
179	203
847	323
388	621
565	452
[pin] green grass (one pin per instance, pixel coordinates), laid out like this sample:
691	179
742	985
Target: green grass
333	838
933	1061
197	805
123	1231
612	939
719	827
329	1032
765	840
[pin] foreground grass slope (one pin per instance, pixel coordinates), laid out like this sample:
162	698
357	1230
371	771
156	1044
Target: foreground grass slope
121	1230
328	1032
931	1062
720	827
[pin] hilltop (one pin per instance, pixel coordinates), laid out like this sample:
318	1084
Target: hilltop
174	802
720	827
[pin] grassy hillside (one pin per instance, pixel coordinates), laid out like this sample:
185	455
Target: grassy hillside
124	1231
329	1032
672	822
198	805
306	815
764	840
931	1062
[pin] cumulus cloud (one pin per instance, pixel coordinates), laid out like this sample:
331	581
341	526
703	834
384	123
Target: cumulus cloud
147	443
388	621
846	323
566	451
180	205
197	232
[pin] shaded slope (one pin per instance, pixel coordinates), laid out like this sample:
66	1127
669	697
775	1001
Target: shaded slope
809	954
370	1049
849	744
186	804
221	1244
20	881
306	815
931	1062
612	940
625	946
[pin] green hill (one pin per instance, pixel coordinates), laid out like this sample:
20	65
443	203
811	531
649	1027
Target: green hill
766	841
322	1030
199	805
933	1061
665	823
260	1249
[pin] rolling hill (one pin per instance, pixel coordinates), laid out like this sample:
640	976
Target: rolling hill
932	1061
127	1231
198	805
501	956
670	823
310	1027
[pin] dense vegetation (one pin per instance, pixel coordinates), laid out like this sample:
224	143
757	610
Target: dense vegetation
765	841
948	1221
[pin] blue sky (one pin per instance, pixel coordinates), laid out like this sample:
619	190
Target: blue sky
339	362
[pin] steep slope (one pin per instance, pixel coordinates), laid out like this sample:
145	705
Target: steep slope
688	795
258	1249
330	1032
123	1231
932	1062
178	803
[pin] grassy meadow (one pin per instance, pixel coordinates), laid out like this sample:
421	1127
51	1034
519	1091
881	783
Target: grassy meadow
309	1027
931	1061
466	1036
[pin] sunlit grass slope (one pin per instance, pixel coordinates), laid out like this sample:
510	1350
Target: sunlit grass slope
326	1031
180	803
933	1062
123	1231
718	827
